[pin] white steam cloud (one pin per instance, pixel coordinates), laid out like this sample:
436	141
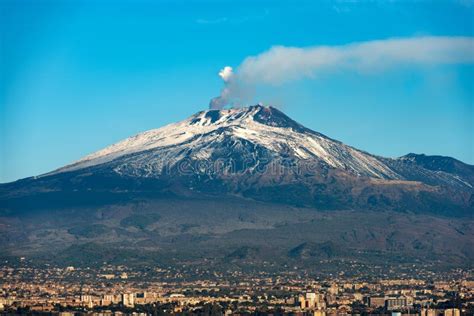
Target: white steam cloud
282	64
226	73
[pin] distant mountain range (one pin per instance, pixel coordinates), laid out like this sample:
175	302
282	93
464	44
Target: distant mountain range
214	184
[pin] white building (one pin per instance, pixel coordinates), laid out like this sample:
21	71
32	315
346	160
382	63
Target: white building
452	312
128	299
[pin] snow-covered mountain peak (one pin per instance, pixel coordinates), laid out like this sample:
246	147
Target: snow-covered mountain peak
208	134
266	115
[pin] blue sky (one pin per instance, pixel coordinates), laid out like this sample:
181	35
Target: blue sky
76	76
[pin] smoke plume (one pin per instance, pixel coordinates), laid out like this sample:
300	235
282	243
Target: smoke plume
223	99
282	64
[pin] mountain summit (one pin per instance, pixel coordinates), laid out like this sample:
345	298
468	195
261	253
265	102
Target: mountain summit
257	134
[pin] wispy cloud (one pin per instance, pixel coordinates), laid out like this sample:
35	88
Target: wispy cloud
212	21
466	3
281	64
341	9
234	19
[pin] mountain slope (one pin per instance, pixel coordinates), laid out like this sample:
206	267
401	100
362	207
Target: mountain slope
260	153
434	170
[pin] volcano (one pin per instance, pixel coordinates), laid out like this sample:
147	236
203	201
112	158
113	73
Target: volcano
207	184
